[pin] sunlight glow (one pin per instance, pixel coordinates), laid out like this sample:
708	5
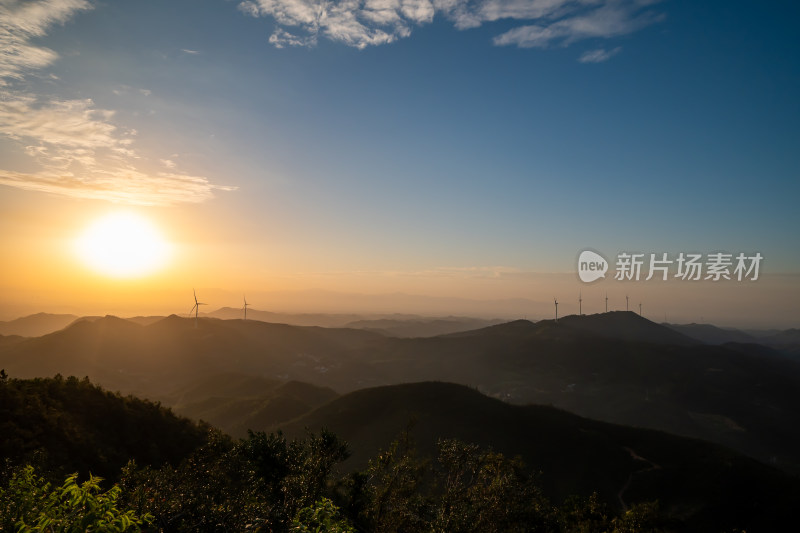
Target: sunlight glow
122	245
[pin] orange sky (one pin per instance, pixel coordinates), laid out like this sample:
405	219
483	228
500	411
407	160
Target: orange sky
42	272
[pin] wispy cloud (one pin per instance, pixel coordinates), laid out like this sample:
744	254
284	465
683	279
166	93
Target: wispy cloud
79	150
82	154
19	23
612	19
362	23
598	56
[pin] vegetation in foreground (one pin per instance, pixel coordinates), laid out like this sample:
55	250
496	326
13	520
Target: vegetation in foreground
264	482
267	483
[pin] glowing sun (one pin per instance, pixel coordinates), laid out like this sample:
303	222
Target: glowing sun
122	245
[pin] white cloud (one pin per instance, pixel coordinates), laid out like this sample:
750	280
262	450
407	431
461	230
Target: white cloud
362	23
120	185
19	22
357	23
599	55
79	150
82	154
611	19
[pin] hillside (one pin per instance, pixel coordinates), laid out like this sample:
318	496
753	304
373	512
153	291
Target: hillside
707	486
156	359
35	325
617	367
237	402
420	327
72	425
709	334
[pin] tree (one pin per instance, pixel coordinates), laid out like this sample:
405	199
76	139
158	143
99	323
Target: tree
484	491
323	516
387	497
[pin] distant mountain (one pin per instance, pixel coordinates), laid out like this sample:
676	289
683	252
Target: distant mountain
393	325
708	487
36	325
8	340
789	337
709	334
617	367
620	325
294	319
421	327
71	425
155	360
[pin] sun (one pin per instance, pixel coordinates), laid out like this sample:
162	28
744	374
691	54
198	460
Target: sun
122	245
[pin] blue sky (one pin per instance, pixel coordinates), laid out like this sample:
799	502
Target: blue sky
420	135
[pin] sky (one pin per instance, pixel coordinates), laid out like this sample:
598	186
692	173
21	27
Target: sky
442	156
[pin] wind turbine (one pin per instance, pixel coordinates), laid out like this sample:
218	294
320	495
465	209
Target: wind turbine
626	302
244	307
640	308
606	302
555	301
580	304
195	308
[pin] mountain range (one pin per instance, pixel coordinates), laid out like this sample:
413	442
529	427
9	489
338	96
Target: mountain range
617	367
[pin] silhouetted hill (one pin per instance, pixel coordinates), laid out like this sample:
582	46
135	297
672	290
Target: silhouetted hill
421	327
155	360
72	425
619	325
625	326
598	366
710	487
35	325
223	384
786	337
709	334
8	340
294	319
786	342
236	403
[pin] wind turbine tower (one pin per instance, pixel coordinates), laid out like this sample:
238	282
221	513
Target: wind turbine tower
245	306
555	301
626	302
640	308
195	308
606	302
580	304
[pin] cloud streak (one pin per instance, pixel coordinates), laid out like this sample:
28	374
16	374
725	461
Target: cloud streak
80	152
599	56
362	23
22	21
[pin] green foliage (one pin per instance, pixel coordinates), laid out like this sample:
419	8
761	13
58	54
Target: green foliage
213	490
259	483
387	497
323	516
31	504
485	491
